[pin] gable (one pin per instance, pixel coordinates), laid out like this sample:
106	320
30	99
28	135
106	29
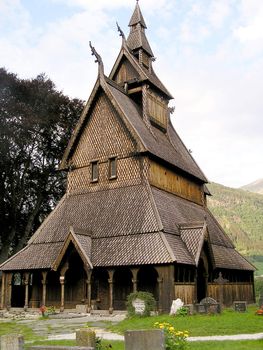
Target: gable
103	135
125	72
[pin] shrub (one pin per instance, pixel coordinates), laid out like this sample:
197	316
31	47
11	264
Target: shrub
150	303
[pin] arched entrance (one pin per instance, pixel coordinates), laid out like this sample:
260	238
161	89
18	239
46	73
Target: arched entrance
122	287
75	286
147	280
100	289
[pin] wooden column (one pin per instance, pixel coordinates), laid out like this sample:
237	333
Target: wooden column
134	278
62	298
160	290
26	290
3	291
110	281
88	282
44	287
9	290
62	284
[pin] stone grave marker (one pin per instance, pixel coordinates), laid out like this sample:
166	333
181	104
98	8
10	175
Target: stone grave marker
139	306
144	340
176	305
240	306
12	341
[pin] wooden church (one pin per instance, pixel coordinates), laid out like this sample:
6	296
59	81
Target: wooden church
134	216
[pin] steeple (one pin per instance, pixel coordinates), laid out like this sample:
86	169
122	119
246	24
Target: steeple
137	40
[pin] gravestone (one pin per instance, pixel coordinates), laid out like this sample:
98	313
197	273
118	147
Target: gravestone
81	308
240	306
144	340
208	306
12	342
86	337
221	281
139	306
176	305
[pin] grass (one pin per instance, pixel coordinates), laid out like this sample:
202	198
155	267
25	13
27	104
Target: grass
229	322
227	345
115	345
15	328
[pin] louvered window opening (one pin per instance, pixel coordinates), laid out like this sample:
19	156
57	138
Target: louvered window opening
94	171
113	168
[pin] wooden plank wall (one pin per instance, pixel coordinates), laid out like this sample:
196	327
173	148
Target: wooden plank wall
186	292
232	292
168	180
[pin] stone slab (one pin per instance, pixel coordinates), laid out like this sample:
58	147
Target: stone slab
11	341
144	340
86	337
81	308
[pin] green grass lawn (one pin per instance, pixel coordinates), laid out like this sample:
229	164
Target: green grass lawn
229	322
107	344
227	345
15	328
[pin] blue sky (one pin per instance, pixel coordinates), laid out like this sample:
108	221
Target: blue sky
209	55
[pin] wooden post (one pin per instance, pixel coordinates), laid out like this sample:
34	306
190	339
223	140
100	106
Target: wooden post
3	291
9	290
26	290
62	298
134	272
44	287
62	284
110	281
88	282
220	281
160	290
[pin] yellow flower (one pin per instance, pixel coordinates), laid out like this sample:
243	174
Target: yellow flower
171	329
161	326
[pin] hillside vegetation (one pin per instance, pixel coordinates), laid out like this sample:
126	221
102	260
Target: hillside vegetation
256	186
240	213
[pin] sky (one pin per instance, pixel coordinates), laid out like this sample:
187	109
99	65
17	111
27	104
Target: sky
209	54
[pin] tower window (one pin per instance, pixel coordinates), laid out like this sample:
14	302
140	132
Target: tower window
94	171
113	168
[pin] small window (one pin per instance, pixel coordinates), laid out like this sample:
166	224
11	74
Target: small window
113	168
94	171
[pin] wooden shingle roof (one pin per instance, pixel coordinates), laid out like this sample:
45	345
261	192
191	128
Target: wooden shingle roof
126	226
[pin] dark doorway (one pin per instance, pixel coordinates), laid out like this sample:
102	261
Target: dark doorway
201	281
147	280
18	291
122	287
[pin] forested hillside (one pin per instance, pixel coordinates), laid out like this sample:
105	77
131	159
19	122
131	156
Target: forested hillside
241	215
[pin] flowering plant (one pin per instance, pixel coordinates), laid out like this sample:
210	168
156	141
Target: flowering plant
43	309
260	311
174	340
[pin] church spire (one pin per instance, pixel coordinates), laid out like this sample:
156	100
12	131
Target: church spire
137	39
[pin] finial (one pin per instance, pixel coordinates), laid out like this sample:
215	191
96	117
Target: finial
98	58
120	31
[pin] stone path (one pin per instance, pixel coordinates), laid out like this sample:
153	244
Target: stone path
63	326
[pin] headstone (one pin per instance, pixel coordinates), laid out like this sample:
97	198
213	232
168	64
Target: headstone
12	341
144	340
190	308
211	305
176	305
139	306
221	281
81	308
86	337
240	306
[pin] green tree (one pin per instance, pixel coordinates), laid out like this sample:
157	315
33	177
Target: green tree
36	124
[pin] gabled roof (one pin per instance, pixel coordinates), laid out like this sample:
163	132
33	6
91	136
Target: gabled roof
81	242
144	73
194	238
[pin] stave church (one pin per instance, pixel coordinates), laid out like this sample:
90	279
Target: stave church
134	216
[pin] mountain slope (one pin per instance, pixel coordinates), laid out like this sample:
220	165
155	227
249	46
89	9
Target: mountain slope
256	186
241	215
